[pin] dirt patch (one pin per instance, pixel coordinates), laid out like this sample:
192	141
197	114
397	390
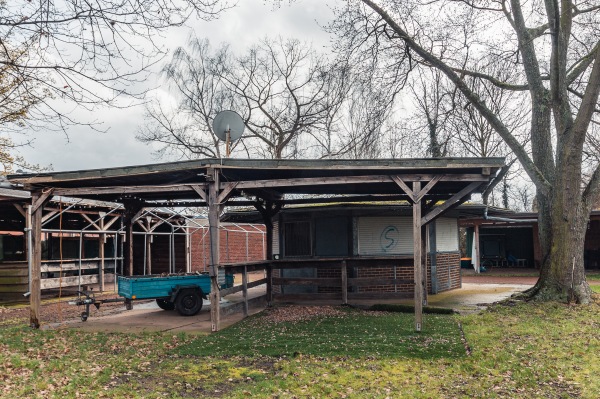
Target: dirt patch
56	311
296	314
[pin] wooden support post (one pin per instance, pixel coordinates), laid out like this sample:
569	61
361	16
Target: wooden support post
424	262
133	209
35	292
101	239
267	211
213	226
245	289
477	258
344	283
148	249
418	269
38	199
269	285
129	249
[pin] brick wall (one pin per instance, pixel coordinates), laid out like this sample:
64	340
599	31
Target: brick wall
276	274
235	246
404	272
329	272
448	275
448	271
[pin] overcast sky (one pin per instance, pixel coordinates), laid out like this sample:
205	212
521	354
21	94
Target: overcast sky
241	26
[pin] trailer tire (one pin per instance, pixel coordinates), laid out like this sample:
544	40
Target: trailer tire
188	302
164	304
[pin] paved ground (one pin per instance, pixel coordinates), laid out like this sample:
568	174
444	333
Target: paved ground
477	291
148	317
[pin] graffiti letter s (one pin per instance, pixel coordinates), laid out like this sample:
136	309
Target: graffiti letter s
389	238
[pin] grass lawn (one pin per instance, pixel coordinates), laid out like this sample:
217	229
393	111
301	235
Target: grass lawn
592	276
526	350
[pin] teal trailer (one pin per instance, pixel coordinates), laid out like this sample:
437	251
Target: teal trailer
183	293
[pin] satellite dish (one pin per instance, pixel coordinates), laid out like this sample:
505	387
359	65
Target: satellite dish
228	126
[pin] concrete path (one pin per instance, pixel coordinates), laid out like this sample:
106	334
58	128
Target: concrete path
150	318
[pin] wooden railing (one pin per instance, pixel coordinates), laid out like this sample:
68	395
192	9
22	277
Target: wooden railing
349	287
14	276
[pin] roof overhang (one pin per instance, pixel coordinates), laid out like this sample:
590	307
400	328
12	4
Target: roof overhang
277	180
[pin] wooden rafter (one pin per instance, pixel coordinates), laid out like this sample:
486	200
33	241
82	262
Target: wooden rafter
226	190
42	199
453	201
201	191
340	180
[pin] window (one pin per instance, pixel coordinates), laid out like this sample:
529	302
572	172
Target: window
297	238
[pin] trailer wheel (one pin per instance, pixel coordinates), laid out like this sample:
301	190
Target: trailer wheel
84	316
164	304
188	302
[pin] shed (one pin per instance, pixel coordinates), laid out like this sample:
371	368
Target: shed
431	186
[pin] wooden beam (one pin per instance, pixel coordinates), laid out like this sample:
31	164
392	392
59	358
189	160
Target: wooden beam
35	254
310	281
269	285
213	226
341	180
56	282
48	216
137	215
452	202
226	192
477	261
240	288
418	269
200	190
21	210
424	262
89	219
407	190
101	239
76	192
41	199
245	290
111	222
429	186
141	223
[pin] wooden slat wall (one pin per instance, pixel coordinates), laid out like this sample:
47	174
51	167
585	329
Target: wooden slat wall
14	281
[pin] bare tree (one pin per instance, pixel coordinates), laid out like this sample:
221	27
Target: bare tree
286	93
434	105
286	89
85	53
555	52
356	127
185	129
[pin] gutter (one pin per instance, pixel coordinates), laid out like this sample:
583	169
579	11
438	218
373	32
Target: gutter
508	220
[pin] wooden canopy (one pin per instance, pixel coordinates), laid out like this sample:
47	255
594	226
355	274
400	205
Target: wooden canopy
268	185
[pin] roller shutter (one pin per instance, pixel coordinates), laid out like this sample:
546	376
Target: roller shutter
385	235
446	235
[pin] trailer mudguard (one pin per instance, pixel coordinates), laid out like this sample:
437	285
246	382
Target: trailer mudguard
178	288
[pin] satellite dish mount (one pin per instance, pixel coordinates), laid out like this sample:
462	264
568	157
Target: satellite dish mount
228	126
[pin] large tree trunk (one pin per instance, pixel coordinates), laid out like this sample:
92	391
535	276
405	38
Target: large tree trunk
563	220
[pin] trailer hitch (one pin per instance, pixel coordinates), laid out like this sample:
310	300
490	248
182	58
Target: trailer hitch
90	300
